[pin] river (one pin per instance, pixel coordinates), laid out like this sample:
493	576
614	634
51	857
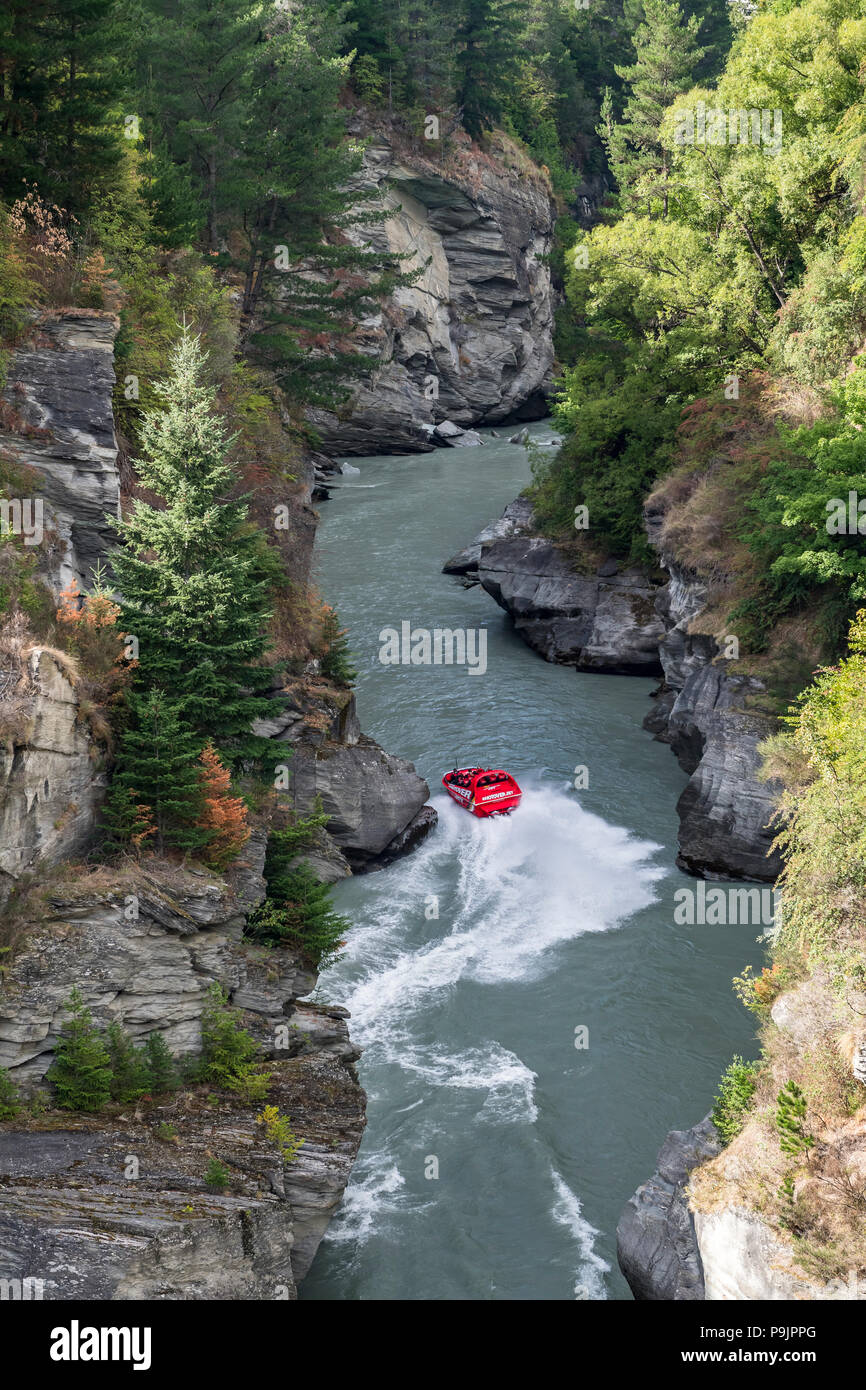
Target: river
499	1153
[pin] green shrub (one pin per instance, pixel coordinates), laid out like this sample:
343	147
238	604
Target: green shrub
10	1101
279	1130
217	1175
129	1072
734	1098
161	1066
229	1053
790	1114
298	912
81	1071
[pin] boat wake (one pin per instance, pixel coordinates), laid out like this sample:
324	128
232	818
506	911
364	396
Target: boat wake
524	885
482	903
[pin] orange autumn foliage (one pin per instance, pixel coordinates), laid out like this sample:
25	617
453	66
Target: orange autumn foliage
224	815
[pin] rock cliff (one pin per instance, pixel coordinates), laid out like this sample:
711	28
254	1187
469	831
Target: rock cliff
471	340
52	766
143	943
707	713
118	1208
58	403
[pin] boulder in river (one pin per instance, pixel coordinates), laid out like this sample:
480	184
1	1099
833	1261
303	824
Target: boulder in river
590	621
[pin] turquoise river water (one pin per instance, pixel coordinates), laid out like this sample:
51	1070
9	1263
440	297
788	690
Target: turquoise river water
557	918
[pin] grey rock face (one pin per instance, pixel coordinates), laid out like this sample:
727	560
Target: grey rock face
707	716
50	782
61	387
370	797
69	1215
516	518
478	322
657	1248
72	1218
595	622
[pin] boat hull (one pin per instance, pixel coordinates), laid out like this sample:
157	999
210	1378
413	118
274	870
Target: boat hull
498	798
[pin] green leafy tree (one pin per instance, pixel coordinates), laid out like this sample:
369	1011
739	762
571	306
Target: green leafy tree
81	1070
193	586
734	1099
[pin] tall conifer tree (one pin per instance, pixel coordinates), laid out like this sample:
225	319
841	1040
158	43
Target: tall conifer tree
489	52
190	574
667	54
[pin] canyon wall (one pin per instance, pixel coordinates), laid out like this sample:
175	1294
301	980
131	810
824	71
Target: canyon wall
471	340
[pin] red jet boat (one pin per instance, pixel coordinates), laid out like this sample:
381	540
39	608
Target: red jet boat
483	791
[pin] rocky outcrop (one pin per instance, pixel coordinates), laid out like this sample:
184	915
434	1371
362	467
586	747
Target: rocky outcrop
74	1210
516	519
706	712
602	621
471	341
58	422
656	1244
52	777
121	1211
374	801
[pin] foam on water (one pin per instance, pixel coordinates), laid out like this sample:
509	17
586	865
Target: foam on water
375	1190
568	1212
526	883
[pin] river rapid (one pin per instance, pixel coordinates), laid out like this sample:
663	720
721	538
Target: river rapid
500	1149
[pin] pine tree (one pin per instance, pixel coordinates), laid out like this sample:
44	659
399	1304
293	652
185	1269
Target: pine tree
157	766
81	1071
161	1066
299	910
307	280
190	575
126	822
129	1074
198	52
667	53
61	80
10	1101
488	55
224	817
336	661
